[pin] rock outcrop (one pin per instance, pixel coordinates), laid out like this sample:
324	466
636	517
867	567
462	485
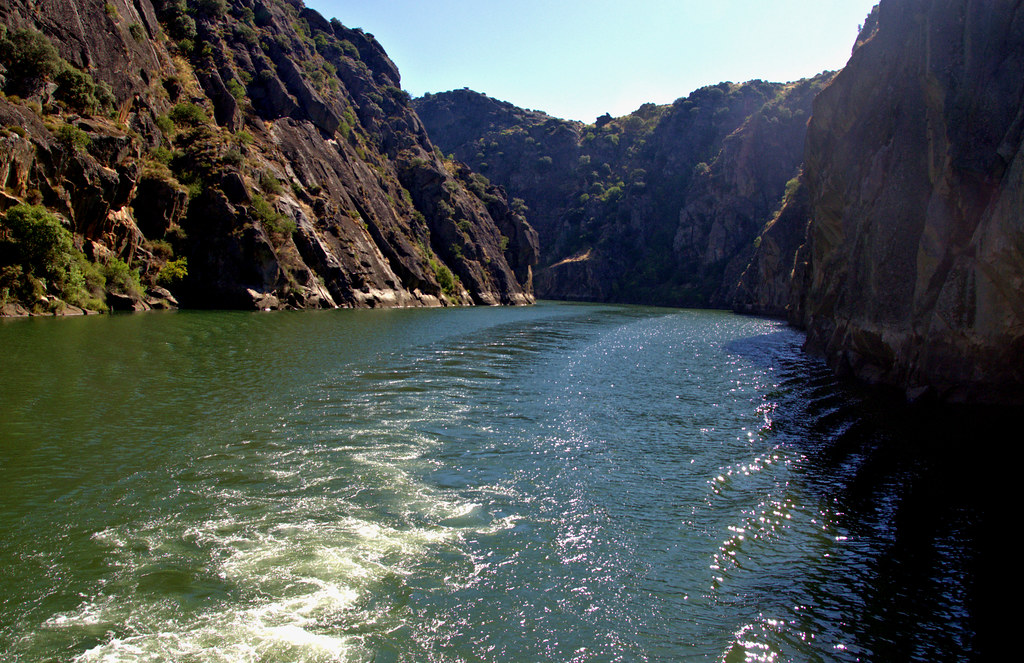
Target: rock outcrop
913	271
767	284
661	206
238	153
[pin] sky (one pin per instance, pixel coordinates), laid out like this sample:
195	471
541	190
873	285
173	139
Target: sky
578	59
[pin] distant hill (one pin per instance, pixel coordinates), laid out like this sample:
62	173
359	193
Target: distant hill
661	206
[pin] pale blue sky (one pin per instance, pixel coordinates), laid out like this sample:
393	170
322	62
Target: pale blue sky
577	59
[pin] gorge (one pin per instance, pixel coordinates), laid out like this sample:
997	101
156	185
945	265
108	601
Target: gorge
634	473
251	155
256	155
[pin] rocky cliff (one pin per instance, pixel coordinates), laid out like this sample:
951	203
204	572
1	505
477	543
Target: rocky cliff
661	206
767	286
230	153
913	271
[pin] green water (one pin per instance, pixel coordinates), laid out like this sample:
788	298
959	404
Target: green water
555	483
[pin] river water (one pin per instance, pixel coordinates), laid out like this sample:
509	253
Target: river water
555	483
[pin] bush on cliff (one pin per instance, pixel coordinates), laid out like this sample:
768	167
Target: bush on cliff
78	90
30	59
38	257
121	278
189	115
448	281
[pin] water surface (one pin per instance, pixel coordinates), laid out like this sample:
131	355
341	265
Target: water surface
555	483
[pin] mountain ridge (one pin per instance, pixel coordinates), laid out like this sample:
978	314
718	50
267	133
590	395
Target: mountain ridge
661	206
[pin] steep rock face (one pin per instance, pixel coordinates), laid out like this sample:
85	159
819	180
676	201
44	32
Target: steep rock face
914	266
661	206
534	156
766	286
269	149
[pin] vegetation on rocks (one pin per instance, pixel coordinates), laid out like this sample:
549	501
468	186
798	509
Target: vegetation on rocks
659	206
207	153
40	266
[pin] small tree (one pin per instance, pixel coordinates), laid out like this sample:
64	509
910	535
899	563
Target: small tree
30	59
38	235
188	114
76	89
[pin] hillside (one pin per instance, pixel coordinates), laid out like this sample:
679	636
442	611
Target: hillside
661	206
238	154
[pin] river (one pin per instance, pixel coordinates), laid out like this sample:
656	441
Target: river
564	482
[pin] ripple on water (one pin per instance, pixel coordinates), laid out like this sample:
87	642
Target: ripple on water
608	484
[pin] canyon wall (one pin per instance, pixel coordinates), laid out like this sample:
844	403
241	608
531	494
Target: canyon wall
238	154
913	270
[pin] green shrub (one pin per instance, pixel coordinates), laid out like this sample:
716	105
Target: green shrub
173	273
121	278
77	89
165	124
323	47
236	89
213	8
348	48
104	96
188	114
137	32
73	138
270	184
444	277
30	59
38	235
38	254
398	94
183	28
195	188
245	34
161	248
271	219
161	154
612	194
233	157
791	188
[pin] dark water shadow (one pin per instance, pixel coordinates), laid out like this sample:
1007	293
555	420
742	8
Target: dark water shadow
924	490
